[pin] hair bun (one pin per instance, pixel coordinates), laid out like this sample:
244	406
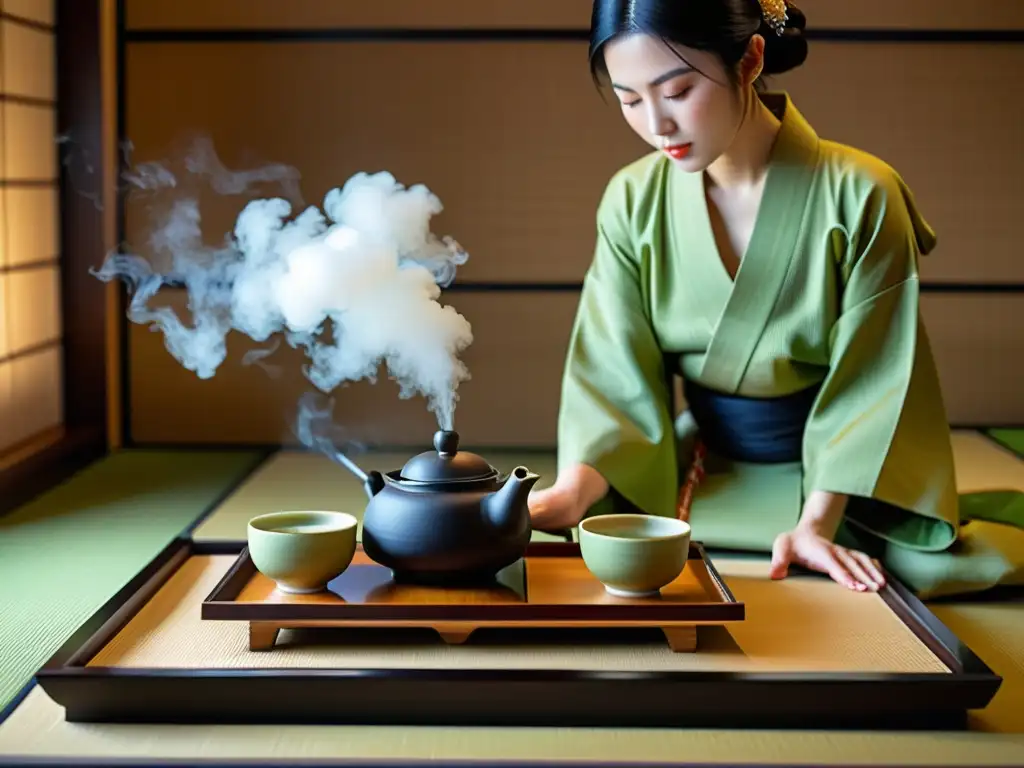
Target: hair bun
788	50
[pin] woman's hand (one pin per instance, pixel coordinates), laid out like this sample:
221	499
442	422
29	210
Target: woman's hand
565	503
811	545
805	547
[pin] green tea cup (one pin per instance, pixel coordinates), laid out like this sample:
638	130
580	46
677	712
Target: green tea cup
634	555
302	551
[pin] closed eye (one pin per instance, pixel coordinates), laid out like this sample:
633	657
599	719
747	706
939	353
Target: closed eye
672	97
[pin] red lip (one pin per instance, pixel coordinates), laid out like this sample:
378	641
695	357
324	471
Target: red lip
678	151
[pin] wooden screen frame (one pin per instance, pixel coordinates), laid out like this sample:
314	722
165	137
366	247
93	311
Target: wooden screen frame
82	439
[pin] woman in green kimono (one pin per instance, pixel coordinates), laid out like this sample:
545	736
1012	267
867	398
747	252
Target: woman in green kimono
776	274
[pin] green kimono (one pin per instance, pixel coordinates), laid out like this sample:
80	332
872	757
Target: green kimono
827	296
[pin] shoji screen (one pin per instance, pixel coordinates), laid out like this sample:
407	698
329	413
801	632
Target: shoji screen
31	382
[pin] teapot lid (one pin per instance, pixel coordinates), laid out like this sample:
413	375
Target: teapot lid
446	463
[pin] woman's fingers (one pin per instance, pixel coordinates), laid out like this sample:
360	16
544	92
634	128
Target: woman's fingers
871	567
856	569
782	556
823	556
837	569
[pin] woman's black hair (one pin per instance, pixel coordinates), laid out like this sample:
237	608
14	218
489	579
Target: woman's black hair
723	27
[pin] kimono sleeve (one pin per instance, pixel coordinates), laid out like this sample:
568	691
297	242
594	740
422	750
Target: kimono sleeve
878	429
615	412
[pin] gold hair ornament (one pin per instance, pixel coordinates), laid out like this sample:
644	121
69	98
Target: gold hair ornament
776	14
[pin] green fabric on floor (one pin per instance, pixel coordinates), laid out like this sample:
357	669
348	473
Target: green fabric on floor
65	553
1011	438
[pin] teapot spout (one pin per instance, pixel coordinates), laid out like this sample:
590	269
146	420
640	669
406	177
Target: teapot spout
507	507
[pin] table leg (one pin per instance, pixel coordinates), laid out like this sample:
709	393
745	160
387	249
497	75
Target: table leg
681	639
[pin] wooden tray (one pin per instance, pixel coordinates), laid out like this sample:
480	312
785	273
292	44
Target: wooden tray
551	587
85	677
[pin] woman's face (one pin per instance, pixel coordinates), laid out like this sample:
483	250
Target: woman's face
690	115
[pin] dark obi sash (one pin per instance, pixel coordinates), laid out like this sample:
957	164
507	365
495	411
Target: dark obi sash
756	430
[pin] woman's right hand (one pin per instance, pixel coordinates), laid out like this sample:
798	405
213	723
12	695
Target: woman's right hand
564	504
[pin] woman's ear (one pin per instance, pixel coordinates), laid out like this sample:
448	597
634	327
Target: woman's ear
752	63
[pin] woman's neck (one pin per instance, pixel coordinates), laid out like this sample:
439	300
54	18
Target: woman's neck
745	163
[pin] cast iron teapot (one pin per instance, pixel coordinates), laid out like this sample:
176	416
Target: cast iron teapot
447	518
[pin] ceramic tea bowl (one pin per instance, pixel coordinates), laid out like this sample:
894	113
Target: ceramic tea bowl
302	551
634	555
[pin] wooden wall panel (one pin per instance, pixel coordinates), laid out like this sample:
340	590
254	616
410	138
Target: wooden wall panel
407	14
516	363
949	130
512	399
449	14
977	340
432	113
513	137
913	14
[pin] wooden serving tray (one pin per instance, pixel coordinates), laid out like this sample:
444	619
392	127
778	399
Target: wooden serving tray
550	587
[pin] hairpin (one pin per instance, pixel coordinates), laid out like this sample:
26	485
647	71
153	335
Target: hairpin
776	14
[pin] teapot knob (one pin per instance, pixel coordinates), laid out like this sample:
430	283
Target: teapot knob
446	443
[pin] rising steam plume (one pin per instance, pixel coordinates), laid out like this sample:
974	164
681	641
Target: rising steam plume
355	282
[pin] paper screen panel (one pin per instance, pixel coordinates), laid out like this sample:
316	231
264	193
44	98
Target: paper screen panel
29	61
31	390
5	312
42	11
511	400
34	309
9	428
33	226
5	245
30	142
513	137
447	14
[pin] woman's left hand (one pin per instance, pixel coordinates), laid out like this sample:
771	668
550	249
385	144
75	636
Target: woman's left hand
806	547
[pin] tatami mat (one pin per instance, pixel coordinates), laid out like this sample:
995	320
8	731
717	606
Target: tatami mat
301	480
38	730
804	624
1013	439
995	630
983	465
63	555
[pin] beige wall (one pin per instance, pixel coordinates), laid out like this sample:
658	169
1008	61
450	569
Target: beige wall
939	112
31	375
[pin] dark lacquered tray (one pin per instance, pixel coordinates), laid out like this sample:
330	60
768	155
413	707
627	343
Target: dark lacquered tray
546	696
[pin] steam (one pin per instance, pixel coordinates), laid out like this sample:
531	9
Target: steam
355	284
